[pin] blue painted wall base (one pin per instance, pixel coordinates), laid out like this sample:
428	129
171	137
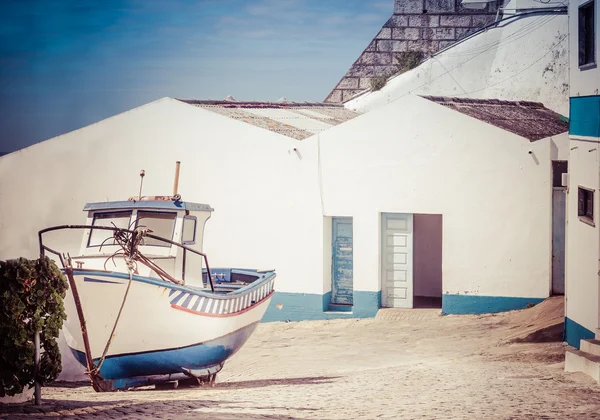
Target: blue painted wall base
575	332
309	306
471	304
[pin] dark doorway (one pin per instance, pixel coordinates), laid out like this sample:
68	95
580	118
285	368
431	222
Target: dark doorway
559	210
427	260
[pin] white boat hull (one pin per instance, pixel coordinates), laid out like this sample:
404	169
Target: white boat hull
164	329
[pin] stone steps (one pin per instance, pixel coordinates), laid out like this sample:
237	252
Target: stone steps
586	360
591	346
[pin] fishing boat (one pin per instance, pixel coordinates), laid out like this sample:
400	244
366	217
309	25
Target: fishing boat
145	308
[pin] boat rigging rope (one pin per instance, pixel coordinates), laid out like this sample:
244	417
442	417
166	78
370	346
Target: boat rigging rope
130	266
127	243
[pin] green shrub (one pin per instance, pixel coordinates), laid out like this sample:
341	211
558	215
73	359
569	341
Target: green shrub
378	82
408	60
31	299
405	61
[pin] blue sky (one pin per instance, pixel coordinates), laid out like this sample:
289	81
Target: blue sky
65	64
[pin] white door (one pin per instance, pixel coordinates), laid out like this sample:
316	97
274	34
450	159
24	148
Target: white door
397	260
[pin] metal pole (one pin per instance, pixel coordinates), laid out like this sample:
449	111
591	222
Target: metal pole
142	173
84	334
176	182
36	344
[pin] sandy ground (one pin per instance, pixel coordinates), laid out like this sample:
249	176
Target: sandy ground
409	364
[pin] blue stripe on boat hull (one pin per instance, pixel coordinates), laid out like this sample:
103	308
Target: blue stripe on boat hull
91	280
197	356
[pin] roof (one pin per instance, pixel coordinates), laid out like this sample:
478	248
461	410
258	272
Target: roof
531	120
147	204
298	120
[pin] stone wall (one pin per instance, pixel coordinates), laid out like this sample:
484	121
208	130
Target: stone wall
417	25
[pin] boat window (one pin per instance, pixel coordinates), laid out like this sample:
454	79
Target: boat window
112	219
189	230
161	224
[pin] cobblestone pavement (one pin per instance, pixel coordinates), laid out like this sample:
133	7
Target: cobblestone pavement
393	366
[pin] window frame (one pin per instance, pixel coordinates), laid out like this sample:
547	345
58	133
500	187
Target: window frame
593	63
89	239
162	244
584	214
193	241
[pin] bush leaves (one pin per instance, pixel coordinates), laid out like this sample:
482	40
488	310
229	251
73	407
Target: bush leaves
31	299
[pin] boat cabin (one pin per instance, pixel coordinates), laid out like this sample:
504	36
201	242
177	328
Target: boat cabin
178	221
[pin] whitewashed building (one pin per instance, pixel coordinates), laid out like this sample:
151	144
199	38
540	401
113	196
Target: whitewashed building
415	200
582	320
240	160
452	201
426	200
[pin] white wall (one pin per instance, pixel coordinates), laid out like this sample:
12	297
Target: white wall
586	82
267	211
327	254
582	247
414	156
265	208
522	5
526	59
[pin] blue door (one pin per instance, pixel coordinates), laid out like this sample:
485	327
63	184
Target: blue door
341	291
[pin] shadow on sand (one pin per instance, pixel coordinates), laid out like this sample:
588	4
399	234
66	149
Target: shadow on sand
315	380
70	385
259	383
551	334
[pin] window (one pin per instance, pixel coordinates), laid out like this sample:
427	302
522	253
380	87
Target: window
111	219
189	230
161	224
585	205
587	47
